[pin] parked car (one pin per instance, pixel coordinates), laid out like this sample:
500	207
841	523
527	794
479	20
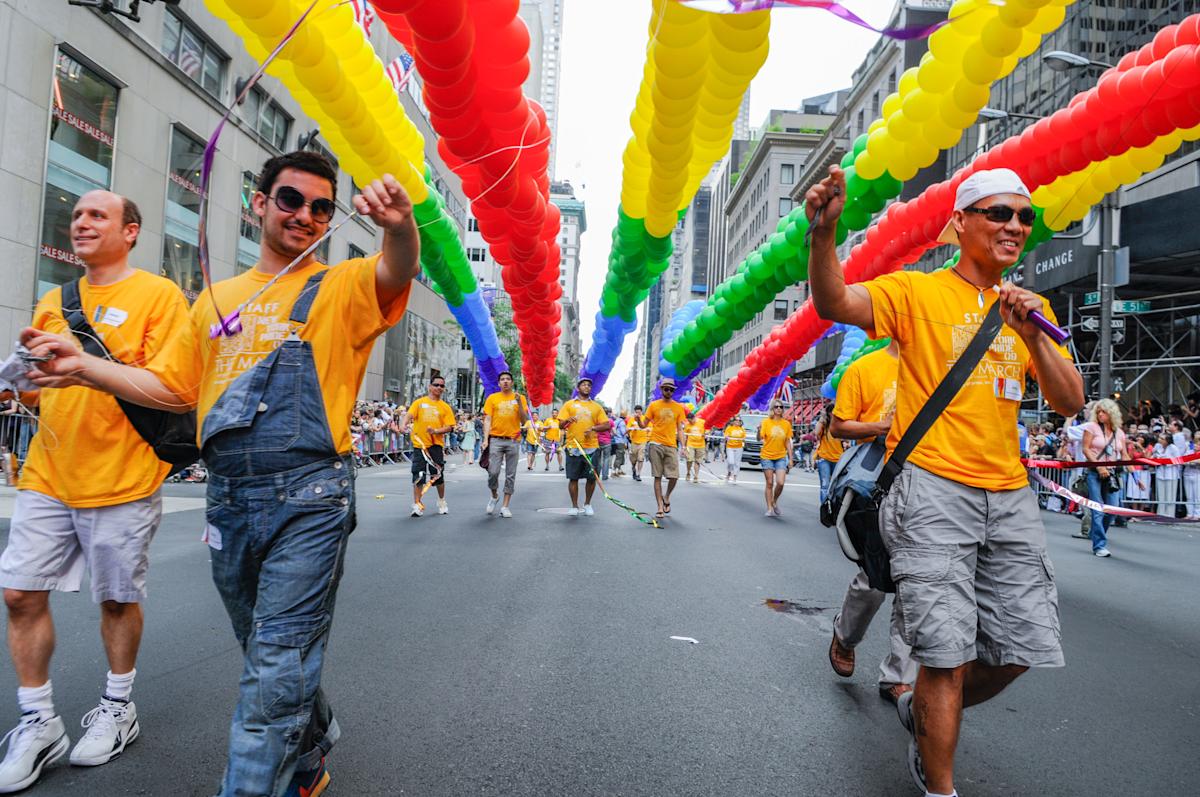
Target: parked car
752	448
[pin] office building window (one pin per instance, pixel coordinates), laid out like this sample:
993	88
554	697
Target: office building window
186	47
249	228
781	309
875	105
473	224
269	119
181	230
787	174
354	253
83	122
860	127
785	206
892	81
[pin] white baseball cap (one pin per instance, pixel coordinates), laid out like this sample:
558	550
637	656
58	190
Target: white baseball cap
991	182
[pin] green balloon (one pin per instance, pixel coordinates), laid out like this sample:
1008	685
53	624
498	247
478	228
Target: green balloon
760	268
855	185
872	202
722	306
708	319
856	217
723	336
763	295
795	232
887	186
797	268
739	288
860	144
847	160
782	249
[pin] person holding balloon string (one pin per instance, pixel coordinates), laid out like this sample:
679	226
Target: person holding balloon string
551	434
581	419
639	437
505	412
961	524
428	420
273	402
665	418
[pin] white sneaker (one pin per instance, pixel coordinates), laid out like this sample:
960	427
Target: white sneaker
110	726
491	507
443	508
505	512
573	511
1102	552
587	510
35	743
417	510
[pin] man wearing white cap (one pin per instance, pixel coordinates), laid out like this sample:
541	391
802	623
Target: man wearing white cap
975	589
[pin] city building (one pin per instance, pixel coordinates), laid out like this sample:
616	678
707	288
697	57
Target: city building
95	100
761	182
574	224
544	20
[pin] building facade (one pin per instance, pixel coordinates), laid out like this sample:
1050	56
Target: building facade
94	100
544	20
573	225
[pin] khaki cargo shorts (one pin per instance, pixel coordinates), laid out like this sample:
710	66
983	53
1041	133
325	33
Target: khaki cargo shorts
973	580
664	461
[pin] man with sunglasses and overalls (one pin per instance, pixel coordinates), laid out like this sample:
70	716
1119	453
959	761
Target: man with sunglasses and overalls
274	402
975	593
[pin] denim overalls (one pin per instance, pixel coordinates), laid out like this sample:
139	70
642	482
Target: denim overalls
280	510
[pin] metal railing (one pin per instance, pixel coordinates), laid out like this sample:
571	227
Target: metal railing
1069	477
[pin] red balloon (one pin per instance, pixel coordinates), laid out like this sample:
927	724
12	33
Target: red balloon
437	20
1164	41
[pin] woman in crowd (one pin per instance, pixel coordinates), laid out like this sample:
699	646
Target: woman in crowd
775	433
1137	484
1166	477
1103	440
829	450
468	439
1191	480
735	439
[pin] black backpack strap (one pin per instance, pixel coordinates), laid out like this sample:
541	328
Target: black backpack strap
305	299
942	395
72	310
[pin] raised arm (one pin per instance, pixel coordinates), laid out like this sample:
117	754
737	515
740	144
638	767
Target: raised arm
833	299
385	203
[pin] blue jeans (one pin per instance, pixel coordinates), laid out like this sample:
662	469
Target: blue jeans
1098	491
478	447
825	475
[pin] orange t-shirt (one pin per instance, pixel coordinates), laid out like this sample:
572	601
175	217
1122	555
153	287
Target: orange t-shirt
933	317
505	412
867	391
665	416
343	322
86	453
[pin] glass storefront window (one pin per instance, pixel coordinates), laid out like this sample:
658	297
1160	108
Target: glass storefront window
250	229
181	230
83	124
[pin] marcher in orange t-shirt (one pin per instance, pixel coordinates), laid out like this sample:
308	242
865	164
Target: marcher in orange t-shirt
961	525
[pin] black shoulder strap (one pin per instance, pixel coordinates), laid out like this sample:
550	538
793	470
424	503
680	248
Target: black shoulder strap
943	394
72	310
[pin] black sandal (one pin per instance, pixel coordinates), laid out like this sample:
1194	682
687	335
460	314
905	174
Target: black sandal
667	507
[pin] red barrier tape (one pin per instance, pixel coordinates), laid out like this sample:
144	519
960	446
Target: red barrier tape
1058	464
1107	509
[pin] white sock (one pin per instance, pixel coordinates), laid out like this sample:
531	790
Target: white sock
119	687
36	698
935	794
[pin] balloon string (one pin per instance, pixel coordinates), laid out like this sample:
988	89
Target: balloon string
636	514
837	9
210	152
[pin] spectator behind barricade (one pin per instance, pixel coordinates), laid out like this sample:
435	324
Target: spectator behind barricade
1166	477
1191	413
1191	480
1138	477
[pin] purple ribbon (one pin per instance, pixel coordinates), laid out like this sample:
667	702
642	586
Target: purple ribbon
832	6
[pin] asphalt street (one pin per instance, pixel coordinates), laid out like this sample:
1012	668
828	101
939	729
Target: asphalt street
534	656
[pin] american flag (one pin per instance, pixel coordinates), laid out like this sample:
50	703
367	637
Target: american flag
399	71
363	14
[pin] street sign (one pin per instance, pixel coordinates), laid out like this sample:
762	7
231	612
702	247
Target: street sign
1091	323
1128	306
1118	337
1092	298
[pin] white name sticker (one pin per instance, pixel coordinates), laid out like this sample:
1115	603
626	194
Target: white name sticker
114	317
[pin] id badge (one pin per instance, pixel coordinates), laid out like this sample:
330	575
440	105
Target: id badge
1009	389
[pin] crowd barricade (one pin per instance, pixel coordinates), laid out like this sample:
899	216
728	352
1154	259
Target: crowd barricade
1068	478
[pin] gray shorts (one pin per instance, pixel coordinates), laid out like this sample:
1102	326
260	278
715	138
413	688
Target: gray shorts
50	544
973	580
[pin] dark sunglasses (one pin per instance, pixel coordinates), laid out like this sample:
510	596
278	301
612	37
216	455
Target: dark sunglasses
438	384
289	200
1001	214
665	388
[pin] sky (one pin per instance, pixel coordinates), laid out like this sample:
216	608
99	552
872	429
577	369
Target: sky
603	52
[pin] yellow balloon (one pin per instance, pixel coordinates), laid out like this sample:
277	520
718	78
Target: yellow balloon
902	169
891	106
941	135
878	124
935	77
999	39
1146	159
981	67
908	81
920	106
970	97
1016	15
867	166
954	116
948	46
902	128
